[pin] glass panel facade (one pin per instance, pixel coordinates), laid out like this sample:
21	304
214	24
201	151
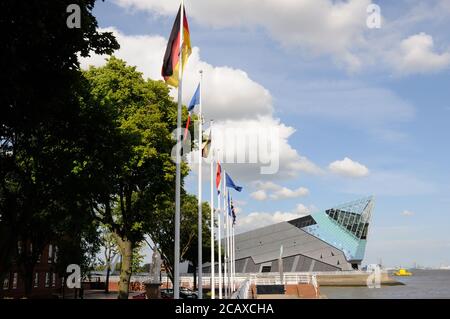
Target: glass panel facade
345	227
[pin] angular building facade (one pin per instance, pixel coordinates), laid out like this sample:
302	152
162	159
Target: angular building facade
330	240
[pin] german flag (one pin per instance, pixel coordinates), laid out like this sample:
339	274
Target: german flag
171	63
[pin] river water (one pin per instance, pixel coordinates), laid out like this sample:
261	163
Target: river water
434	284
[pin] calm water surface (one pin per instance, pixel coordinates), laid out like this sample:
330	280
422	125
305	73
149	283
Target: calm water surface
433	284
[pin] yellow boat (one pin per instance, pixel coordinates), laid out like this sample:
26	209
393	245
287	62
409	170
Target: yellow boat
402	272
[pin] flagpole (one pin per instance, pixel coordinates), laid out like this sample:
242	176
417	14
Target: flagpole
232	255
228	245
234	258
176	284
200	226
225	228
213	282
219	240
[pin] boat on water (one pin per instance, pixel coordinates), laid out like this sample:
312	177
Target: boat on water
402	272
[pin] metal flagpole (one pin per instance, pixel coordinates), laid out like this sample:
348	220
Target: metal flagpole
228	245
232	257
200	216
219	240
213	282
225	228
176	284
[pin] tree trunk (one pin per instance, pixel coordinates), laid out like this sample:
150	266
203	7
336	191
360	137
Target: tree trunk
108	270
126	252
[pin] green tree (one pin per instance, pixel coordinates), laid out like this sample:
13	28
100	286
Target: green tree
45	129
145	116
161	231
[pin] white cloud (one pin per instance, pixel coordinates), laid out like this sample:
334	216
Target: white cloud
416	54
259	195
348	167
230	97
285	192
304	210
336	29
256	220
318	26
277	192
267	185
228	93
407	213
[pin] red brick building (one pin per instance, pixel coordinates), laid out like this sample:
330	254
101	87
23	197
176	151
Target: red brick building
46	282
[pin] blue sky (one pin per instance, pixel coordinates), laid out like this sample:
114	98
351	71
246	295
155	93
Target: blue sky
379	97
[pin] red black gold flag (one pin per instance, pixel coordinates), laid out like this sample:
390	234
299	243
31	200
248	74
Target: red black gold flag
171	65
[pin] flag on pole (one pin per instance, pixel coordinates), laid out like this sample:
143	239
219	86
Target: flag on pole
233	212
229	204
171	65
206	145
218	176
230	183
194	101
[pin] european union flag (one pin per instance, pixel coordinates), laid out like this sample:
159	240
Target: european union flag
195	99
230	183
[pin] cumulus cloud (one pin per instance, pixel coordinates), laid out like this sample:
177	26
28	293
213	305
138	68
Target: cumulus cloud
259	195
416	54
232	92
348	167
285	192
407	213
304	210
256	220
318	26
230	97
277	192
336	29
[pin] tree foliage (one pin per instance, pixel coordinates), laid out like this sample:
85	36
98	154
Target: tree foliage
44	126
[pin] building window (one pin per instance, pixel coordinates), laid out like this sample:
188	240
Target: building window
15	278
266	269
36	280
54	280
50	253
55	257
47	280
6	283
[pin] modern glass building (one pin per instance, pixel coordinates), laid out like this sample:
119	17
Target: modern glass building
330	240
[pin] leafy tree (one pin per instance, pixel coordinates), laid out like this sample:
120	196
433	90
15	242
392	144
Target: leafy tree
144	115
161	231
45	128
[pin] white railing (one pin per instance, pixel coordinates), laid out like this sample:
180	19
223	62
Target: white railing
274	278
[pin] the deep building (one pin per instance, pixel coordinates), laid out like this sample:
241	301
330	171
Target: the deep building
330	240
